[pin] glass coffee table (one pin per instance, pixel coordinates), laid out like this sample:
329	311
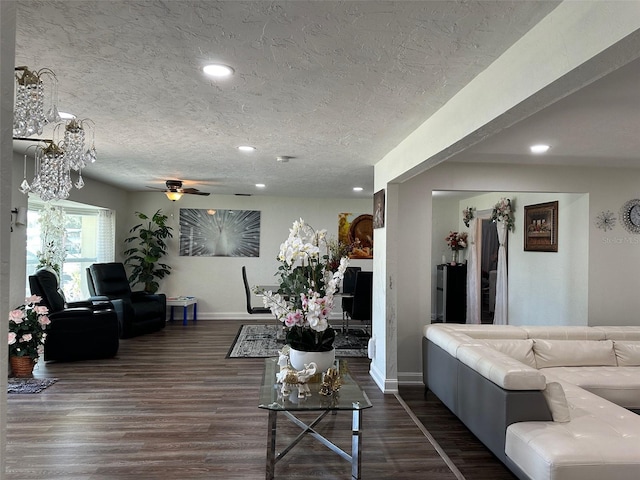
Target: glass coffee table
349	398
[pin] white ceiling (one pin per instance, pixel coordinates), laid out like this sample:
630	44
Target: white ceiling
336	85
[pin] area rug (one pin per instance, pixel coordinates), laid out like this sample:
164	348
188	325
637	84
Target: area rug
259	341
29	385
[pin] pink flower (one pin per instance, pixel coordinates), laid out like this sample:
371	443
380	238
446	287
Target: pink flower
41	309
33	299
43	320
12	338
293	318
26	337
17	316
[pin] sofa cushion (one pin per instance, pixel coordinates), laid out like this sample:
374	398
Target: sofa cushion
601	441
485	331
557	402
557	332
501	369
573	353
620	385
627	353
620	333
449	340
521	350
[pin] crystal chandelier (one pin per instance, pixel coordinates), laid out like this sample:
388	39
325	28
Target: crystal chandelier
55	161
29	115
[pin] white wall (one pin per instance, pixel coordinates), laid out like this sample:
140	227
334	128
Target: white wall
217	281
591	264
539	69
544	287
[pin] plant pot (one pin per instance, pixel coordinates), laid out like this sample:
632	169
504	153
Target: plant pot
323	360
22	366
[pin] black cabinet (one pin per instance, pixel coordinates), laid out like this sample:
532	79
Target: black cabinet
451	294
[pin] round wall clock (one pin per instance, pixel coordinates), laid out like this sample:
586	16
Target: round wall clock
630	214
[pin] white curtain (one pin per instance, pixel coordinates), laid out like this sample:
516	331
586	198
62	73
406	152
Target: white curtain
105	248
473	289
500	316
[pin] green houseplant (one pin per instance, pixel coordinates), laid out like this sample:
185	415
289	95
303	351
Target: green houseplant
148	248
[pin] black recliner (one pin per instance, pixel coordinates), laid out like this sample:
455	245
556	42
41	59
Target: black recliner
78	330
138	312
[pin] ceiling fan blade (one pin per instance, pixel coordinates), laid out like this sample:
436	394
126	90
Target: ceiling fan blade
193	191
157	188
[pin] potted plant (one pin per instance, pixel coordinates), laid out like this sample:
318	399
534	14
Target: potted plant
27	325
148	248
305	296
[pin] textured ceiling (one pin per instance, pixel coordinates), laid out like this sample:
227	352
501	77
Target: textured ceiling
336	85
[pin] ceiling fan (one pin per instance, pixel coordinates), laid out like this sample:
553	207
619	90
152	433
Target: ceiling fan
174	190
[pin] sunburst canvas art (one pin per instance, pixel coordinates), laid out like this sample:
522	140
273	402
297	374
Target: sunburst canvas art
219	233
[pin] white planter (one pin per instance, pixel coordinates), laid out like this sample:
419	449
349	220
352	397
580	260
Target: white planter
323	360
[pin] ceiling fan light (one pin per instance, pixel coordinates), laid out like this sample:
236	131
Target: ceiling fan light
173	196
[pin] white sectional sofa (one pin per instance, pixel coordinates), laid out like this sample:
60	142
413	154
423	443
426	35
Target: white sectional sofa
551	402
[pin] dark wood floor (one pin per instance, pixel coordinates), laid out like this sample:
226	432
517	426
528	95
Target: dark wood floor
171	406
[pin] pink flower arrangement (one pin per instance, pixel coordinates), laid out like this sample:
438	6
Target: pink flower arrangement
456	240
27	326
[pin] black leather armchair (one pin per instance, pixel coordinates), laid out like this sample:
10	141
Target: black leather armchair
138	312
78	330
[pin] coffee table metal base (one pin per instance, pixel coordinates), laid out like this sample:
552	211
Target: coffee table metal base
356	445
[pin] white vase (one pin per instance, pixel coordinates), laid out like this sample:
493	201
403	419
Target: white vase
323	360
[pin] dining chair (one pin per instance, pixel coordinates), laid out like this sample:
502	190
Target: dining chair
362	299
348	286
247	290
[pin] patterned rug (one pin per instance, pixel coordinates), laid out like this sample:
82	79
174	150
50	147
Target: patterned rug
29	385
259	341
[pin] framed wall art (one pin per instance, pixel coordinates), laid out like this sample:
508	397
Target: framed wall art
219	233
356	230
541	232
378	209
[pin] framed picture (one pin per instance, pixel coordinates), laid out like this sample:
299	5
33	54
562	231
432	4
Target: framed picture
356	230
541	222
378	209
219	233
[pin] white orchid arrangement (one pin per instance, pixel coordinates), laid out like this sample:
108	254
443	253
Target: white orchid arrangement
306	290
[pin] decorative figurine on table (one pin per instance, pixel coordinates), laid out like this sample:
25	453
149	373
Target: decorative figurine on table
331	382
291	378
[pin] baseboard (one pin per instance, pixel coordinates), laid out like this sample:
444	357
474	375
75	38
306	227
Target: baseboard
410	378
385	385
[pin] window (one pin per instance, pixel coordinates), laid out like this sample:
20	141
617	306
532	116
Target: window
85	229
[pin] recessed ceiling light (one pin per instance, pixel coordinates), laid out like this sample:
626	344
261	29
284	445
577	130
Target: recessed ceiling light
357	189
218	70
260	185
246	148
540	148
66	116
